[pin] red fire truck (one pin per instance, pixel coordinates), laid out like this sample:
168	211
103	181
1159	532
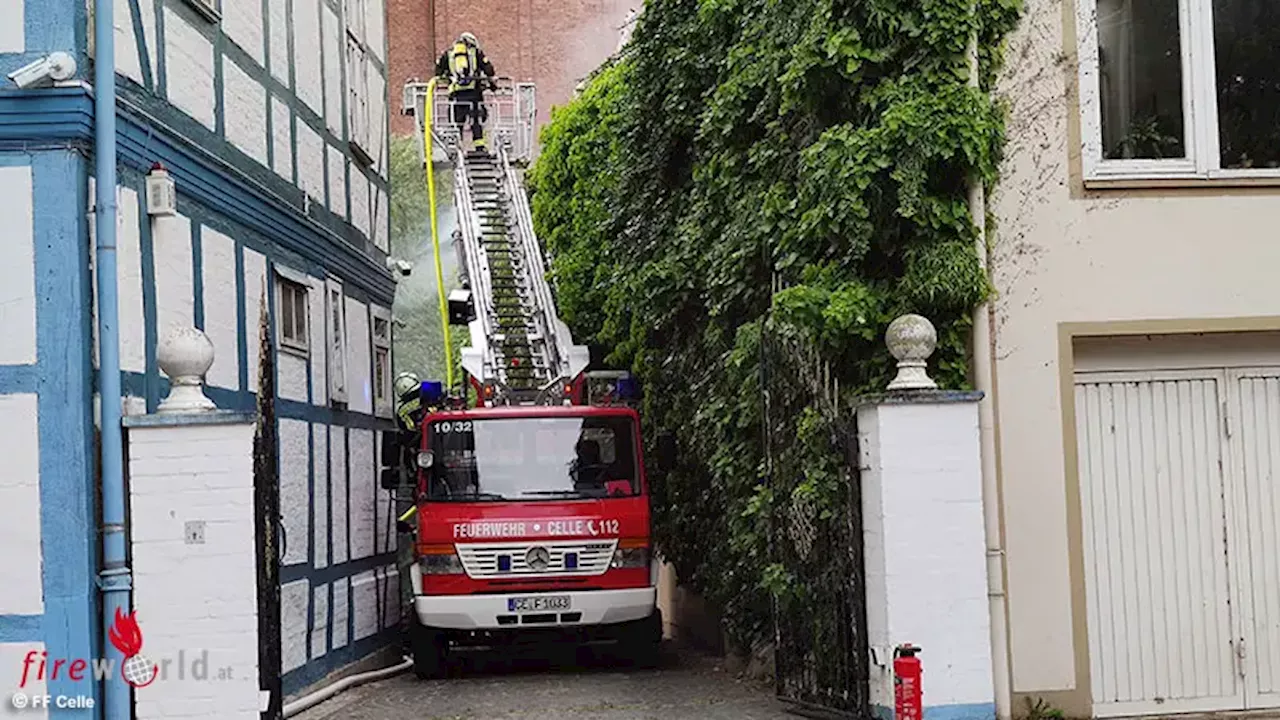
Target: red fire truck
532	504
533	524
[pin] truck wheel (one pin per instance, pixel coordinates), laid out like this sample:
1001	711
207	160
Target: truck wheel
643	645
430	653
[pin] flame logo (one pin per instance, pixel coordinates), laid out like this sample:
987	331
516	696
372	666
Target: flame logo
126	636
125	633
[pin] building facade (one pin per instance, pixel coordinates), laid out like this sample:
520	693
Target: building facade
1137	358
272	118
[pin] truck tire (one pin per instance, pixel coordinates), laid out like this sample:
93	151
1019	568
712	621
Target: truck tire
643	644
430	652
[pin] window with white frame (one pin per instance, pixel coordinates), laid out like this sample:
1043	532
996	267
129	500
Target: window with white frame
357	17
336	329
1180	88
382	400
358	67
358	125
291	315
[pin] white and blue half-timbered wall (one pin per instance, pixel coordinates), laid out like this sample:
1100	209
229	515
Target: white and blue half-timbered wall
271	115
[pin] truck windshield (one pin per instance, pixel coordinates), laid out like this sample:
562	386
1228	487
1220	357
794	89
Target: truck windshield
532	459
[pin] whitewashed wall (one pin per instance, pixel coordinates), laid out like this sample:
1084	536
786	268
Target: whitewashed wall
320	628
338	491
129	61
221	311
174	272
12	27
337	183
334	106
1166	254
189	63
246	111
295	500
20	575
320	458
242	22
282	139
192	596
925	553
341	613
359	362
228	93
17	270
363	481
294	598
11	657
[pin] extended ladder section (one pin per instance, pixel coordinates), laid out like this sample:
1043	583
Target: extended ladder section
520	351
519	346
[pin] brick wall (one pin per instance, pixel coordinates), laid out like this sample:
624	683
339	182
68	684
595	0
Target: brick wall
553	43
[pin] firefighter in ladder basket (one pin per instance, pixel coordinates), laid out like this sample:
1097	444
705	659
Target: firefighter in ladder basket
469	73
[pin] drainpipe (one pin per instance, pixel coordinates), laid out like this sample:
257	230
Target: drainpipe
984	377
114	578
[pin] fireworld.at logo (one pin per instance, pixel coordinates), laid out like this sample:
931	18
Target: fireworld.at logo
126	636
137	670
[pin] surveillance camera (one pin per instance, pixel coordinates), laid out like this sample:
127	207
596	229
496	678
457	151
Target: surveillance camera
44	72
404	267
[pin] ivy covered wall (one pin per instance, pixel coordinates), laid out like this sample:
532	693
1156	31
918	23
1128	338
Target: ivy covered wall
822	145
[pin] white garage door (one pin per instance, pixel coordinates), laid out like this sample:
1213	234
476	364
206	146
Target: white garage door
1178	475
1258	459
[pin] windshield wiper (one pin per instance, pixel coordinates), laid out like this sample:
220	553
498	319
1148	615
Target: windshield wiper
466	497
554	493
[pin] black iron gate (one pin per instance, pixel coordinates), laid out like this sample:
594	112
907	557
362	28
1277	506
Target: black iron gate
267	527
819	611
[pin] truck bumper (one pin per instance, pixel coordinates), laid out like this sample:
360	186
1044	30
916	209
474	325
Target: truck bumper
492	612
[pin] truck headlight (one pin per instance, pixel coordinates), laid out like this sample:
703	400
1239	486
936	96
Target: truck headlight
440	560
631	557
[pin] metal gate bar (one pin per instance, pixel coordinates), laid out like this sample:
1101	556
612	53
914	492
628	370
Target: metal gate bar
821	653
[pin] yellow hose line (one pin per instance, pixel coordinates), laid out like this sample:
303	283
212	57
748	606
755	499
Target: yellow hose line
408	514
429	158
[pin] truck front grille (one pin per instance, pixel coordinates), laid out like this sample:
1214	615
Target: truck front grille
505	560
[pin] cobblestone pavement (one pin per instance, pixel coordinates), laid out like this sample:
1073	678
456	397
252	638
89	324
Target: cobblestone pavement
685	687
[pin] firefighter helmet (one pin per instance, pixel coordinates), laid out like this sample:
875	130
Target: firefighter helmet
406	382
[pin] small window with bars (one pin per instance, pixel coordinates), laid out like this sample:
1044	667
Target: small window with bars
382	400
335	311
291	316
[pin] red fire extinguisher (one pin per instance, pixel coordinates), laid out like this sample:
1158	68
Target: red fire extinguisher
908	698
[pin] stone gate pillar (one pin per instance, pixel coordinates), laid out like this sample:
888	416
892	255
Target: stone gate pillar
925	553
191	509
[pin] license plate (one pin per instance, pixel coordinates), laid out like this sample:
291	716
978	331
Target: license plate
531	604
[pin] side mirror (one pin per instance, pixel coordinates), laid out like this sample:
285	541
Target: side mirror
667	452
390	449
390	478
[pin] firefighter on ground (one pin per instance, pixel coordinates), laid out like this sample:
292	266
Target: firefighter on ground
469	73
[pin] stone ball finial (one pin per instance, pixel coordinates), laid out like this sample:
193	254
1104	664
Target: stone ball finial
185	355
911	340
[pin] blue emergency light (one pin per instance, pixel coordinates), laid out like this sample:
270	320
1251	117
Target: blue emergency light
431	392
627	388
